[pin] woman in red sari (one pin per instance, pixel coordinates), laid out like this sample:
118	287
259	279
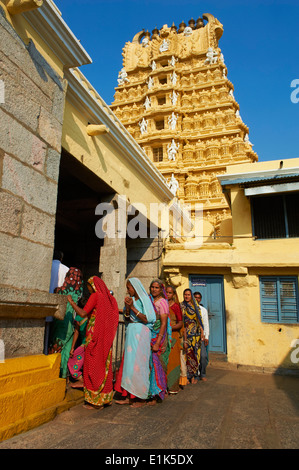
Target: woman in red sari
103	314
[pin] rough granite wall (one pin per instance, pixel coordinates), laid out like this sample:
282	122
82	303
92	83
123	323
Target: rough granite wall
31	116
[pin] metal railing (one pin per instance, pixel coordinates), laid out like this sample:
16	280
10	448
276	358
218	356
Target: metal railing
118	348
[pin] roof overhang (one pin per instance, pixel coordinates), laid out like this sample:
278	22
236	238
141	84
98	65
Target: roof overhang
86	99
49	24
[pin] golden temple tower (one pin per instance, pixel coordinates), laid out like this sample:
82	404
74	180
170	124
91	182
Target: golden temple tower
175	99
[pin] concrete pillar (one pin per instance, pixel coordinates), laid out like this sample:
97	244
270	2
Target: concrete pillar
113	255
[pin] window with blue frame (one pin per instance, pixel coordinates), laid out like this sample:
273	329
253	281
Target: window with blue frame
279	299
275	216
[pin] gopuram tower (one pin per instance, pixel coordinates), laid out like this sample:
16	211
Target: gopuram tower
175	99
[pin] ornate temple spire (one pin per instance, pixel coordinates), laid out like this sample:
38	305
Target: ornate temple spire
176	100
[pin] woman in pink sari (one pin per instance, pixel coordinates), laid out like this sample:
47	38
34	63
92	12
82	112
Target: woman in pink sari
103	315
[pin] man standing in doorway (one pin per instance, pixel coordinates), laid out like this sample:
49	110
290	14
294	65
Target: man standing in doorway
205	341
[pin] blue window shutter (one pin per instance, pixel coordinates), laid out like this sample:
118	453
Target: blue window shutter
269	301
288	300
279	299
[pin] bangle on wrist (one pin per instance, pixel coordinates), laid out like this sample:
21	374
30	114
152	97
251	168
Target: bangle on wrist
137	314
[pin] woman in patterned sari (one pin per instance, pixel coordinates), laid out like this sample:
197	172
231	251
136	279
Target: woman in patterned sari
133	377
193	326
160	343
76	360
103	314
62	331
174	361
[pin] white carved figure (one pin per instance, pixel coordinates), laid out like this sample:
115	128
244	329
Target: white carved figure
211	56
122	77
231	94
147	103
187	31
150	82
246	139
238	115
172	120
222	58
173	184
172	61
164	46
172	150
153	65
174	98
174	78
143	126
224	73
145	42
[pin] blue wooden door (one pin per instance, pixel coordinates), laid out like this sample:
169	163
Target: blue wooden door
211	289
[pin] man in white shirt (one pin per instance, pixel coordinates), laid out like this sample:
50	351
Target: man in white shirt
58	271
205	341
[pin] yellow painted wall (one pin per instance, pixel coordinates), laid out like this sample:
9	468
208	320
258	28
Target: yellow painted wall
26	32
105	159
250	342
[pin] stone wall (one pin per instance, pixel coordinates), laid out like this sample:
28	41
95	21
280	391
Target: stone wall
31	115
144	259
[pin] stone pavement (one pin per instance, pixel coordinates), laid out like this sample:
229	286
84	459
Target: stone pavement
232	410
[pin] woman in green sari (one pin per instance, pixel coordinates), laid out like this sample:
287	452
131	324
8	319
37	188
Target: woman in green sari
62	331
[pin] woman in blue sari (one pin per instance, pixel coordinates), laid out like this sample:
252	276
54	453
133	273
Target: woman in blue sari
133	379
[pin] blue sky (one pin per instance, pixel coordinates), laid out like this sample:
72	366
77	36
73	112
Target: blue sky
260	44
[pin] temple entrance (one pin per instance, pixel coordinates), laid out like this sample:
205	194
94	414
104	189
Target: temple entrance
79	192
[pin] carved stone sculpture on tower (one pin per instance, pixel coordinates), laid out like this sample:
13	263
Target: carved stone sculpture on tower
147	103
150	83
164	46
122	77
174	98
173	185
212	56
174	78
143	126
172	61
172	121
153	65
172	150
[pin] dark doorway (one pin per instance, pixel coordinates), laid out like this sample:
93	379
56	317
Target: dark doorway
79	192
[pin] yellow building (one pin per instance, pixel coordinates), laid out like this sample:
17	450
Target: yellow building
250	283
175	98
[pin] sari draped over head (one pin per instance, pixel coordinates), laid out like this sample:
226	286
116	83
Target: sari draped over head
133	376
159	359
100	333
62	331
193	325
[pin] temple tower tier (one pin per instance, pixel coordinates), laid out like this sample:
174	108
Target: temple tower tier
176	100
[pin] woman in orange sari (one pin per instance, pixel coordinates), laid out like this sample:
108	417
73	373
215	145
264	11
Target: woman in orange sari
174	361
102	310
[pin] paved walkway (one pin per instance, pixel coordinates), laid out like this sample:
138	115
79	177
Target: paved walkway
232	410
